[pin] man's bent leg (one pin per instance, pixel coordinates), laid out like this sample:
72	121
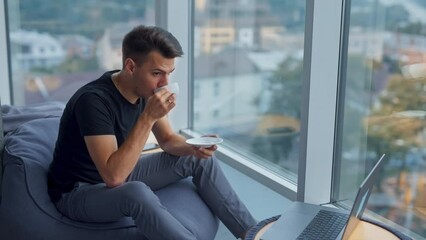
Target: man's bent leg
160	169
221	198
97	203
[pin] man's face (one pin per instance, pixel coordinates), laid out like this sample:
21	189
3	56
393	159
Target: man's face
153	73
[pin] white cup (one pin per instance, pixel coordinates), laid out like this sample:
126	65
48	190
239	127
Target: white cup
172	87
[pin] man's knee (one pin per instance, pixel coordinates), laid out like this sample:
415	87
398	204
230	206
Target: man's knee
207	166
137	197
210	162
136	192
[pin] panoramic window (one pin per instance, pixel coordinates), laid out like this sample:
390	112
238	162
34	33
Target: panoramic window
248	59
57	46
384	109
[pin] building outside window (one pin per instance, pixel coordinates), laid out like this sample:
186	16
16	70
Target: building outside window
56	47
384	109
253	50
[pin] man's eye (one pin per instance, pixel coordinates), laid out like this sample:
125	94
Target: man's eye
156	73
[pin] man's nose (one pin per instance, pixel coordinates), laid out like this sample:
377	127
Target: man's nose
164	80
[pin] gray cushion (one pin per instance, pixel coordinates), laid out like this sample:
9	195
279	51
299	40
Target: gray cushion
26	211
13	116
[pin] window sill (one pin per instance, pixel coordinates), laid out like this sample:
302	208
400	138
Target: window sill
253	170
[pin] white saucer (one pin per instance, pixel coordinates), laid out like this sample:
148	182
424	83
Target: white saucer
204	142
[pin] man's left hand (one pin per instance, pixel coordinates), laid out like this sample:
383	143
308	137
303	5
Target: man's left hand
204	153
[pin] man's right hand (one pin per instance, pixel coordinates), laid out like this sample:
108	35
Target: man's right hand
160	103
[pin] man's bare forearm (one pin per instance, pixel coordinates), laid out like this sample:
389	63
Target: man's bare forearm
122	162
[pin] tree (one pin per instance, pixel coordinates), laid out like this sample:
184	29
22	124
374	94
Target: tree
389	132
77	64
286	88
280	124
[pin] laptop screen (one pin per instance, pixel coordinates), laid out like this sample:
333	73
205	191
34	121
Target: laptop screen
361	198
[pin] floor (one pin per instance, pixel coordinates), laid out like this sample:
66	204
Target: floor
260	200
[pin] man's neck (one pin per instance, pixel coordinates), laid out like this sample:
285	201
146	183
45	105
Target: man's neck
119	82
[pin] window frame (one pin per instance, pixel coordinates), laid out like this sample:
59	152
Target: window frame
321	59
166	14
5	86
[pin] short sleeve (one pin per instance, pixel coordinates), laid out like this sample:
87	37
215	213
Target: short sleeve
93	115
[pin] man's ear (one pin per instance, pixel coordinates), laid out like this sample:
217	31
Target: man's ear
129	64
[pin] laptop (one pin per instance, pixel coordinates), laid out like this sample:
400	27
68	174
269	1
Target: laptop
309	221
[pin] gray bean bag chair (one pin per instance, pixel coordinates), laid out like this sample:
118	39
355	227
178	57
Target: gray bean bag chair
26	211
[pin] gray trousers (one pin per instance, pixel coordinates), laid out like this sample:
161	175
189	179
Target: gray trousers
136	199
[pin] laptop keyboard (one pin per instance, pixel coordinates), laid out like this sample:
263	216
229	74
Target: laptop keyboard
325	225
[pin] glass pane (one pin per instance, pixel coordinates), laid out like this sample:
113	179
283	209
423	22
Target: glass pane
247	77
385	109
57	46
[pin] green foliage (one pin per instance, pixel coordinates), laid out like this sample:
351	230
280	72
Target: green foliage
77	64
396	15
389	132
415	28
286	84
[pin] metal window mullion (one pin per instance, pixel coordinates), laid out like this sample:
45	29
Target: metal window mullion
319	109
5	90
176	17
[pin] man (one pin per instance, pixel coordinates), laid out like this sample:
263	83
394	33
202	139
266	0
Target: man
98	173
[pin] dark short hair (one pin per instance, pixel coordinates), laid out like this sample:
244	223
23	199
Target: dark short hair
141	40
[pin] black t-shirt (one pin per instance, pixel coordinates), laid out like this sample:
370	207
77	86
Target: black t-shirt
97	108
